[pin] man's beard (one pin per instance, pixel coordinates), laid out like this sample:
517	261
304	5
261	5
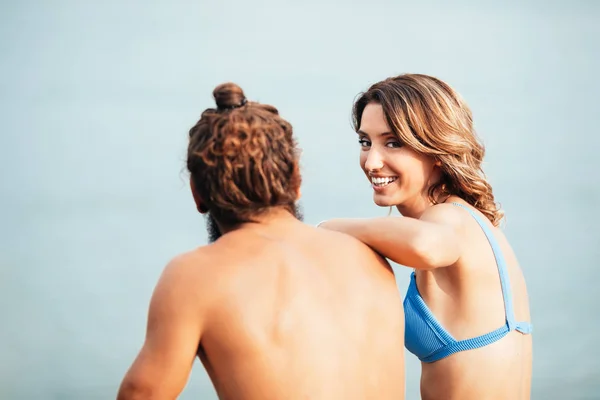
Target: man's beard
214	232
212	228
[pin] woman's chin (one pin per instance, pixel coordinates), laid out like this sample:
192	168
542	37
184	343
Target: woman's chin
383	201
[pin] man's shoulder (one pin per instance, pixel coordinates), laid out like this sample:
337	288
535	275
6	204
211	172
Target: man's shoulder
348	246
193	265
190	260
339	238
194	277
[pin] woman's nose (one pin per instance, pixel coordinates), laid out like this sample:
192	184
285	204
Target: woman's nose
374	160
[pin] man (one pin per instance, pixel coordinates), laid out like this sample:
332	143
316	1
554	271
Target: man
274	308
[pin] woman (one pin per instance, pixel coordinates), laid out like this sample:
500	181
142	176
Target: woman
466	308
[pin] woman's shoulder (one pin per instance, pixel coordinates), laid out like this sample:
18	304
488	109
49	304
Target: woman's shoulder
446	213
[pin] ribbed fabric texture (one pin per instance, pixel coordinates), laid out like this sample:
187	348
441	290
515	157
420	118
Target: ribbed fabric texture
426	338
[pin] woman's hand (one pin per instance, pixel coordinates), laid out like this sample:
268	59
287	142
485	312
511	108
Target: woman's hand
336	224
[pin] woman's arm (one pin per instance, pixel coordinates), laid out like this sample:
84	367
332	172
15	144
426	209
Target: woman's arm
427	243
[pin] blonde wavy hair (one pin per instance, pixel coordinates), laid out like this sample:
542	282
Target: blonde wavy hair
431	118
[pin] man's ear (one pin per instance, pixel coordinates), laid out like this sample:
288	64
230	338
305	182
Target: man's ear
200	206
299	177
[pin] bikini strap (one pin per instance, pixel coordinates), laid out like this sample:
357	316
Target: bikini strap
502	268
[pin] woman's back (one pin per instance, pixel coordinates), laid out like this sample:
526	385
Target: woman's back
468	301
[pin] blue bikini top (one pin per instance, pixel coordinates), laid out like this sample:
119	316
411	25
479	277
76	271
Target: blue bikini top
426	338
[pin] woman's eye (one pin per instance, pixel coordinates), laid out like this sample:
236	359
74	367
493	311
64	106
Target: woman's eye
394	145
364	142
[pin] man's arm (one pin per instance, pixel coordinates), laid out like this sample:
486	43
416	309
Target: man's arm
175	322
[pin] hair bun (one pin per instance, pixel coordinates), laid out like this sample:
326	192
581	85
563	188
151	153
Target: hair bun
229	96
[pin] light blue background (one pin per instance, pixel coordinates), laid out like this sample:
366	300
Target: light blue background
96	99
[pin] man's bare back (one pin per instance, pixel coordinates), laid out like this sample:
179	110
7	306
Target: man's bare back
278	310
296	313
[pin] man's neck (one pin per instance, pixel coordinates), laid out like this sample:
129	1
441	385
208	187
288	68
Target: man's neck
273	218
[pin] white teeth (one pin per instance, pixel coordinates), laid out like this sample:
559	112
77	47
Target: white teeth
383	181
